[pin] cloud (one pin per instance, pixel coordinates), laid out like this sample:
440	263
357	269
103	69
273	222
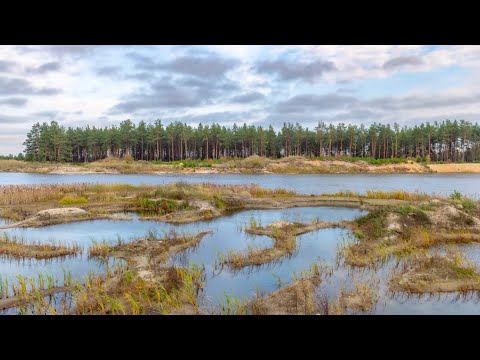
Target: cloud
224	118
421	102
248	97
14	101
223	85
10	119
356	115
47	67
309	102
278	119
47	114
6	66
402	61
162	95
346	90
168	93
203	67
10	86
108	71
70	50
288	70
142	76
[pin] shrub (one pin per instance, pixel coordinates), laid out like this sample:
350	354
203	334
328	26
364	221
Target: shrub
219	202
456	195
417	214
254	162
469	204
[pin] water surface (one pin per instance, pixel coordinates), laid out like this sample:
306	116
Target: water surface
227	234
468	184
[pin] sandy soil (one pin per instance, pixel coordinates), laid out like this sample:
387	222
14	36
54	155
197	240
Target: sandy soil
297	165
455	168
294	299
429	274
364	167
50	217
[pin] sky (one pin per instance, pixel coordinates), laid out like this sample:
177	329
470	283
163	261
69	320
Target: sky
101	85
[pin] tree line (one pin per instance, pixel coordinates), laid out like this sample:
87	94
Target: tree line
456	140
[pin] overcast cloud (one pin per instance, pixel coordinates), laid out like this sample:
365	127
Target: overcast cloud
79	85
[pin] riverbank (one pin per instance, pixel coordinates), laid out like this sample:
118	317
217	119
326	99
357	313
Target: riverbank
465	168
251	165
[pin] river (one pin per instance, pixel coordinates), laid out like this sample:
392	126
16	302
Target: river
445	184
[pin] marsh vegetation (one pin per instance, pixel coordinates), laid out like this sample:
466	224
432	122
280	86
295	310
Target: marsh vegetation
380	252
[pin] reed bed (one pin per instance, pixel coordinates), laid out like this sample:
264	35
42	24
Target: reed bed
136	296
382	195
20	248
23	286
451	272
396	195
27	194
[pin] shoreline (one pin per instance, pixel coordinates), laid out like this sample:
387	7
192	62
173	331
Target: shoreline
300	166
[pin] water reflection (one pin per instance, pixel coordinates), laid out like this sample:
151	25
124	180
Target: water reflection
227	234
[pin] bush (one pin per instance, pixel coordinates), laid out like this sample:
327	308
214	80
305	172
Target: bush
254	162
469	204
160	206
417	214
456	195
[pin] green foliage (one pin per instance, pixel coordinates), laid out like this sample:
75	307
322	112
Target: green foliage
70	200
469	204
417	214
188	163
368	160
219	202
463	271
19	157
372	224
160	206
205	145
456	195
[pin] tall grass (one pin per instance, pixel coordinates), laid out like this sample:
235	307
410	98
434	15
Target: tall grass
19	247
28	194
136	296
396	195
25	287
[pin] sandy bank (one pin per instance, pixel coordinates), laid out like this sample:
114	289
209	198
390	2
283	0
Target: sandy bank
251	165
455	168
